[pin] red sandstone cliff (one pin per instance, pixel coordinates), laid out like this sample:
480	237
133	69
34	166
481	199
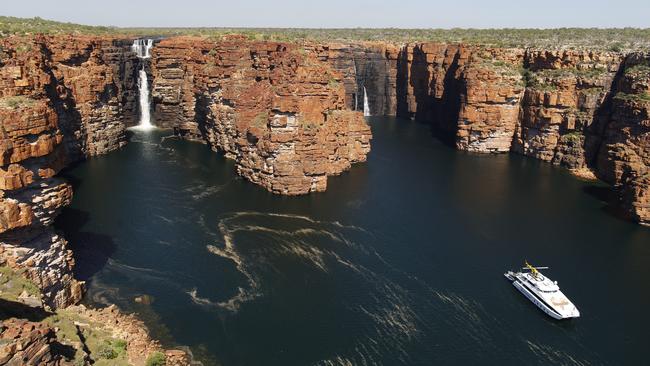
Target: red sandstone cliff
272	107
624	158
279	110
559	106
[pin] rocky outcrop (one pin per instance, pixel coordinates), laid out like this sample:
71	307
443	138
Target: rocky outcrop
29	343
563	108
624	157
61	99
490	94
273	108
559	106
111	321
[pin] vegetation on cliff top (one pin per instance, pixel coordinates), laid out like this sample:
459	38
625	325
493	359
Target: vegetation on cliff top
615	39
13	25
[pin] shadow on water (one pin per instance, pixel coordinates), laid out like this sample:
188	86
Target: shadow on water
91	250
610	199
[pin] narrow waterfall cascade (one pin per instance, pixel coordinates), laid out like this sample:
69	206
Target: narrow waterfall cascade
142	49
145	106
366	107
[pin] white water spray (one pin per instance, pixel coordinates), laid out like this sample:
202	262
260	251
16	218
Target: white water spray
142	49
145	107
366	107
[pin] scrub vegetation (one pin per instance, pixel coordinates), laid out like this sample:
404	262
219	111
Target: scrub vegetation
614	39
72	329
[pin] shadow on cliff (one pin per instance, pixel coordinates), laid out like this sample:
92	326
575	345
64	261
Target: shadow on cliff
91	250
14	309
440	113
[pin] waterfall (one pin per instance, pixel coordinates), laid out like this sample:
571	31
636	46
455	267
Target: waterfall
142	49
145	107
366	107
356	100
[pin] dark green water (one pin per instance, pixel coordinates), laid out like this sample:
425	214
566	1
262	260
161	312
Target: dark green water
400	262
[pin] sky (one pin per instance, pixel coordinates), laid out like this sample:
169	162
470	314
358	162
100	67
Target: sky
339	13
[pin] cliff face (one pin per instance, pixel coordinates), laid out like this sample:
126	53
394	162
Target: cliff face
283	113
557	106
29	343
369	66
564	109
624	158
61	99
272	107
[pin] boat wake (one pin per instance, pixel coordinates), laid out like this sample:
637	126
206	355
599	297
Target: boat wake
255	242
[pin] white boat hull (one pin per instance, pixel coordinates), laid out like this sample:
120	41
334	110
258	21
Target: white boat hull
539	302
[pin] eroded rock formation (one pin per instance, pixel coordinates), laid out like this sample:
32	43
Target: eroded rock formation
283	113
61	99
29	343
584	110
624	158
272	107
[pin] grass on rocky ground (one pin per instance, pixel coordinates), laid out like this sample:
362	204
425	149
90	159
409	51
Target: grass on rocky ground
79	332
71	328
13	285
15	102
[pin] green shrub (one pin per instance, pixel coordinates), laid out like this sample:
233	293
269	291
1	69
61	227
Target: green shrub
616	47
333	83
156	359
573	137
106	351
261	120
643	97
642	68
15	102
119	345
528	77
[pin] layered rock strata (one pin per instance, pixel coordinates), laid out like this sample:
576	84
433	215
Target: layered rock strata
61	99
370	66
584	110
29	343
273	108
624	156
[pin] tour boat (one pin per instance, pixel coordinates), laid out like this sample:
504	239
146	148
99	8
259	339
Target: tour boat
543	292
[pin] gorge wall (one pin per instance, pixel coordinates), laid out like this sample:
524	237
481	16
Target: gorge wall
285	114
580	109
288	114
273	108
61	99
